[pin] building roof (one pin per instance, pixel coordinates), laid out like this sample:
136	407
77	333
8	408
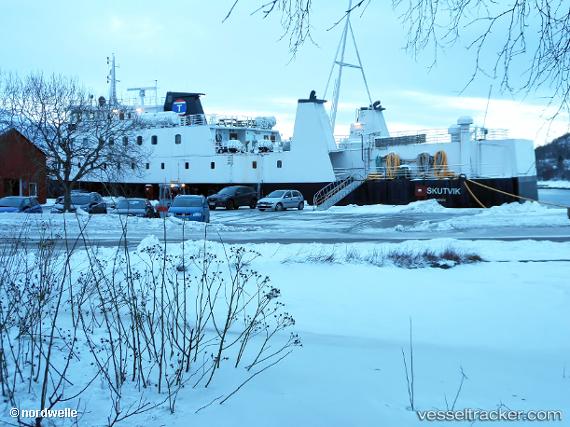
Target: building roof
7	129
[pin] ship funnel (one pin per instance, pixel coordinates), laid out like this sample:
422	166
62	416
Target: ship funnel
312	126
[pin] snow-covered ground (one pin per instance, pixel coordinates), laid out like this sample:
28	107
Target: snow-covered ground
503	321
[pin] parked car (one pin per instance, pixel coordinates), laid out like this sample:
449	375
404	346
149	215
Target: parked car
193	208
91	203
20	204
279	200
136	207
233	197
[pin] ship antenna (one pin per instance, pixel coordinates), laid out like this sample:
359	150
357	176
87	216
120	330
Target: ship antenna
112	80
485	130
341	64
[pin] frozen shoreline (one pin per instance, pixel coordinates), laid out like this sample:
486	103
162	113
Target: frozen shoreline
558	184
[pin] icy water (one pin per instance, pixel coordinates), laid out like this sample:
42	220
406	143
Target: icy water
554	195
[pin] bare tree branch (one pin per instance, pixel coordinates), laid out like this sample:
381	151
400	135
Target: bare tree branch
81	138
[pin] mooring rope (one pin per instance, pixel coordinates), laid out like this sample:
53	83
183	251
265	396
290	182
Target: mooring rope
508	194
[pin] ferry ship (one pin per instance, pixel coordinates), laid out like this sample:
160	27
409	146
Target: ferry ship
204	153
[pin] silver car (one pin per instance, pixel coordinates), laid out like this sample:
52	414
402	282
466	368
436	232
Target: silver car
279	200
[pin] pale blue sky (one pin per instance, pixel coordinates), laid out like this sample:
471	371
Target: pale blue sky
243	67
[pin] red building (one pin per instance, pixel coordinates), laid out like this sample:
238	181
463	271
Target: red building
22	166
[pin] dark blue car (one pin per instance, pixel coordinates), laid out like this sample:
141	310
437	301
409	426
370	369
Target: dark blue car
192	208
20	204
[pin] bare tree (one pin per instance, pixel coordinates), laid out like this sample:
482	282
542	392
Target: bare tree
505	37
82	138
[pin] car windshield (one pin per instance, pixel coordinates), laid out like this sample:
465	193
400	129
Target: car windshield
11	202
187	202
131	204
80	199
277	194
228	190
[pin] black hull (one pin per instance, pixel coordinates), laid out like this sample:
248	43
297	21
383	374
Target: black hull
451	192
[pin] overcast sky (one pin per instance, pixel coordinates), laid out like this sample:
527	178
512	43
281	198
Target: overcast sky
244	68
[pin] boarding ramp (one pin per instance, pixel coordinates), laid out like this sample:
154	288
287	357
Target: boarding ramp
334	192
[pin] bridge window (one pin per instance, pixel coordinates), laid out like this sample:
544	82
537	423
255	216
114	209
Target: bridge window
233	136
162	166
272	138
178	139
212	165
186	165
254	164
147	165
154	140
139	141
279	164
125	140
132	166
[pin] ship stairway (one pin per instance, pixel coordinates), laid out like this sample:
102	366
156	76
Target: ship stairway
334	192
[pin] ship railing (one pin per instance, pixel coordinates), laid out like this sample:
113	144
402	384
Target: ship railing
480	133
424	136
193	120
341	173
341	140
414	171
241	121
433	136
405	171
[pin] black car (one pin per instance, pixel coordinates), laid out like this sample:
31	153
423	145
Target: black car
136	207
233	197
91	203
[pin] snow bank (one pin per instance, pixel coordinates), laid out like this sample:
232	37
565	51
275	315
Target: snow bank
426	206
528	214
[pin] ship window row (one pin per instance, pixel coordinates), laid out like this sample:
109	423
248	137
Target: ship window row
279	165
153	140
119	165
254	164
177	139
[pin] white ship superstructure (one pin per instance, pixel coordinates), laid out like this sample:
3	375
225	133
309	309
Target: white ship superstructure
199	149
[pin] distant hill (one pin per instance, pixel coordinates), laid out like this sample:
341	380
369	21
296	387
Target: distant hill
553	159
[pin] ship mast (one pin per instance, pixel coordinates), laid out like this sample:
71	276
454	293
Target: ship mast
340	62
112	80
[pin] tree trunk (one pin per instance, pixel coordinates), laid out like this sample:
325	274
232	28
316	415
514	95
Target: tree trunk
67	196
67	187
